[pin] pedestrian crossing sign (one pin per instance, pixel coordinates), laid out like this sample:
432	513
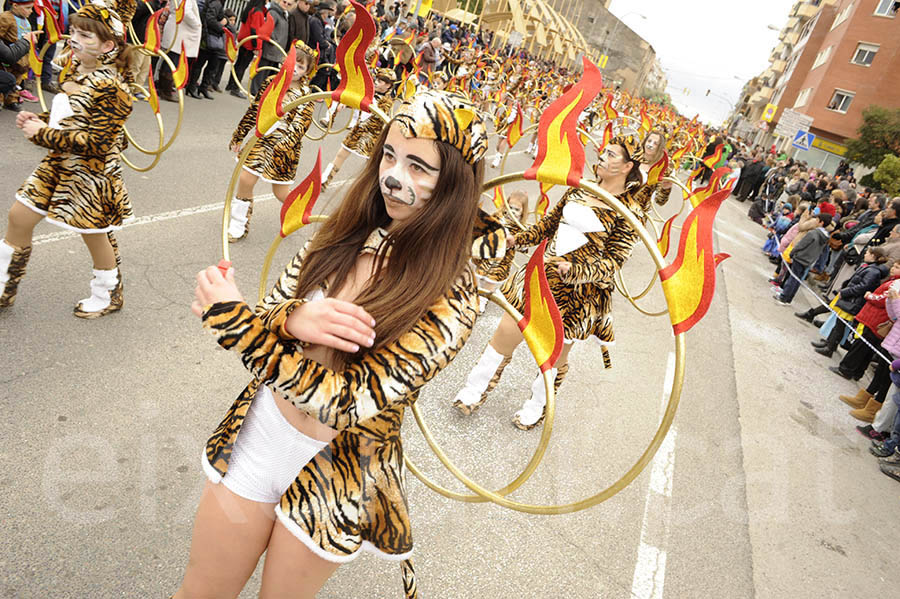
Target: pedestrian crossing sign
803	140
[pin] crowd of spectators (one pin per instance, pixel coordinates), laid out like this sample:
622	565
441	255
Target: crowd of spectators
841	243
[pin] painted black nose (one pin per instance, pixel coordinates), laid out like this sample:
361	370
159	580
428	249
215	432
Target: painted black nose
392	183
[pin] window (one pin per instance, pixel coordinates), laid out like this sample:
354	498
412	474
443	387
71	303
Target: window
822	57
885	8
840	101
842	16
803	97
865	54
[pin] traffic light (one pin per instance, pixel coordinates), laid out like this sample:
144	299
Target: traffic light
707	92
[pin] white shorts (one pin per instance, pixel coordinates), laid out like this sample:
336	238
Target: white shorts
268	455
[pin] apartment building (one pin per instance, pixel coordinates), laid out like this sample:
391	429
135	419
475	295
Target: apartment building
834	58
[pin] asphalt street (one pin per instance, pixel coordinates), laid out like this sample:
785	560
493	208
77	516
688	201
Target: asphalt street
762	489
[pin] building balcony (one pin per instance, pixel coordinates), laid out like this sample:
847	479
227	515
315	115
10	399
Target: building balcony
762	96
778	66
779	49
791	23
791	37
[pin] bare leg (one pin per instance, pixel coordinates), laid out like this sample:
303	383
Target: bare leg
281	191
22	221
339	159
291	569
245	185
101	250
230	535
507	337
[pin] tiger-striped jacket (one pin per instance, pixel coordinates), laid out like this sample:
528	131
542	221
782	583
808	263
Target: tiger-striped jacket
79	183
584	294
353	491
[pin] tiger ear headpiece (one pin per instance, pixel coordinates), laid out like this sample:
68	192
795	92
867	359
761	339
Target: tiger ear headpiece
100	10
310	54
385	74
445	116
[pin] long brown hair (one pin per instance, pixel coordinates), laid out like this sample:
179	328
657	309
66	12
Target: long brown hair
126	57
427	254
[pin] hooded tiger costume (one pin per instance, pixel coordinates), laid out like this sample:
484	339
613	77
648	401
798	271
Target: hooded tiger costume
351	495
78	185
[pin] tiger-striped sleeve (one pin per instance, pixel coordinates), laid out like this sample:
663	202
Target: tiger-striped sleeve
277	305
544	228
108	111
248	121
383	378
596	263
300	120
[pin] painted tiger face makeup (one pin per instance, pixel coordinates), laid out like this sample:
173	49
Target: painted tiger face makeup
408	173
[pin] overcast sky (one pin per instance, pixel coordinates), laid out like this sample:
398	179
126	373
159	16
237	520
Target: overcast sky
704	44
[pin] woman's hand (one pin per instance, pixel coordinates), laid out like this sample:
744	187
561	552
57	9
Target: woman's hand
563	268
333	323
213	288
892	293
867	295
510	241
235	147
23	117
32	126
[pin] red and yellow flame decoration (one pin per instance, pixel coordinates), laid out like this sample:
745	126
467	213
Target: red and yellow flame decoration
179	12
152	96
680	152
180	74
645	122
297	207
34	60
658	170
231	47
690	281
152	35
543	201
356	88
65	70
270	107
699	195
541	323
408	89
515	132
714	158
608	109
51	22
498	199
560	156
665	236
607	136
254	66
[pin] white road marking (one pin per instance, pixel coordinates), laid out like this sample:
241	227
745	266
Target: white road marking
650	569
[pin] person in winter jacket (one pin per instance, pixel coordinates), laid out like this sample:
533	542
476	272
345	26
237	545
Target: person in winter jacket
188	32
804	255
272	55
851	298
254	21
206	65
10	54
870	326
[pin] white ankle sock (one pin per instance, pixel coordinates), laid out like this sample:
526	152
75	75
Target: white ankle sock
327	171
533	409
239	211
480	376
102	284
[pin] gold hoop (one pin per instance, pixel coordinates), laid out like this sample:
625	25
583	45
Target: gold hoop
239	44
661	432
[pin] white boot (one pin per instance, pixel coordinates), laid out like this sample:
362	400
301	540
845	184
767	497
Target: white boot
239	225
106	295
530	148
481	380
496	162
327	174
532	412
482	304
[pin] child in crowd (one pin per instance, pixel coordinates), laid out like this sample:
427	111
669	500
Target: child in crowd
274	158
803	255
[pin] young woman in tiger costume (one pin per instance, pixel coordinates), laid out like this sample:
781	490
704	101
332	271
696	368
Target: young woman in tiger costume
378	302
654	147
275	156
491	273
367	127
589	243
78	186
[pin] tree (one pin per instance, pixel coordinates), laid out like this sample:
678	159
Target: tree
888	174
879	135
